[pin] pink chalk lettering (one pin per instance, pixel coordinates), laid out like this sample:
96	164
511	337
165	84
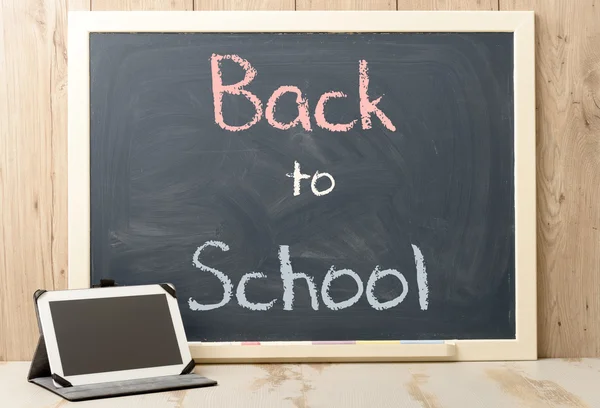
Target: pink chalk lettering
302	109
234	89
368	107
320	113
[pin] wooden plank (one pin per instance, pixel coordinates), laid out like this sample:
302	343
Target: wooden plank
79	5
4	130
568	166
345	5
244	4
447	4
149	5
58	116
32	176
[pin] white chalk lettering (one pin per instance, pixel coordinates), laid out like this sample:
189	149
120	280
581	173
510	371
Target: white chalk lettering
375	276
313	185
241	295
421	278
288	277
329	277
225	281
297	175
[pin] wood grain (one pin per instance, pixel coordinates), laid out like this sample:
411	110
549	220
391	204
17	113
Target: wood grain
32	176
149	5
345	5
4	143
244	4
78	5
447	4
568	117
540	384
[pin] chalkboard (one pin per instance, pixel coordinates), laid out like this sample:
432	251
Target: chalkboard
309	186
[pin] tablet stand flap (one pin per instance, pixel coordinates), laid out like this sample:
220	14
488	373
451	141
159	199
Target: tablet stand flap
189	368
40	366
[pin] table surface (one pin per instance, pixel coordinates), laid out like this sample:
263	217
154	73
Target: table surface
544	383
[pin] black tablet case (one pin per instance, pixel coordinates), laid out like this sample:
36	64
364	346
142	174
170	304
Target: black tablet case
40	373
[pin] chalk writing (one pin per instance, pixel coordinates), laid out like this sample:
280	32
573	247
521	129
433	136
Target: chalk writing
303	115
289	279
235	89
421	278
297	175
375	276
329	277
367	107
225	281
241	295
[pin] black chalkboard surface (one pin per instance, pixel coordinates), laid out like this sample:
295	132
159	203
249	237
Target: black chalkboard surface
309	187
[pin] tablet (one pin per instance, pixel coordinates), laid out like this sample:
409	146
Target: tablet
113	333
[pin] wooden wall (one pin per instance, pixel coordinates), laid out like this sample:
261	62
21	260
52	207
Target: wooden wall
33	112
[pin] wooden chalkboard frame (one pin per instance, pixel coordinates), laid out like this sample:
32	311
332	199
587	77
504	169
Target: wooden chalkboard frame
520	23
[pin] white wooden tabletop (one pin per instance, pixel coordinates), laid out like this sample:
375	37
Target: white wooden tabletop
543	383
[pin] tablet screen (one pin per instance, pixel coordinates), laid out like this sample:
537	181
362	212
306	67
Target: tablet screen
112	334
